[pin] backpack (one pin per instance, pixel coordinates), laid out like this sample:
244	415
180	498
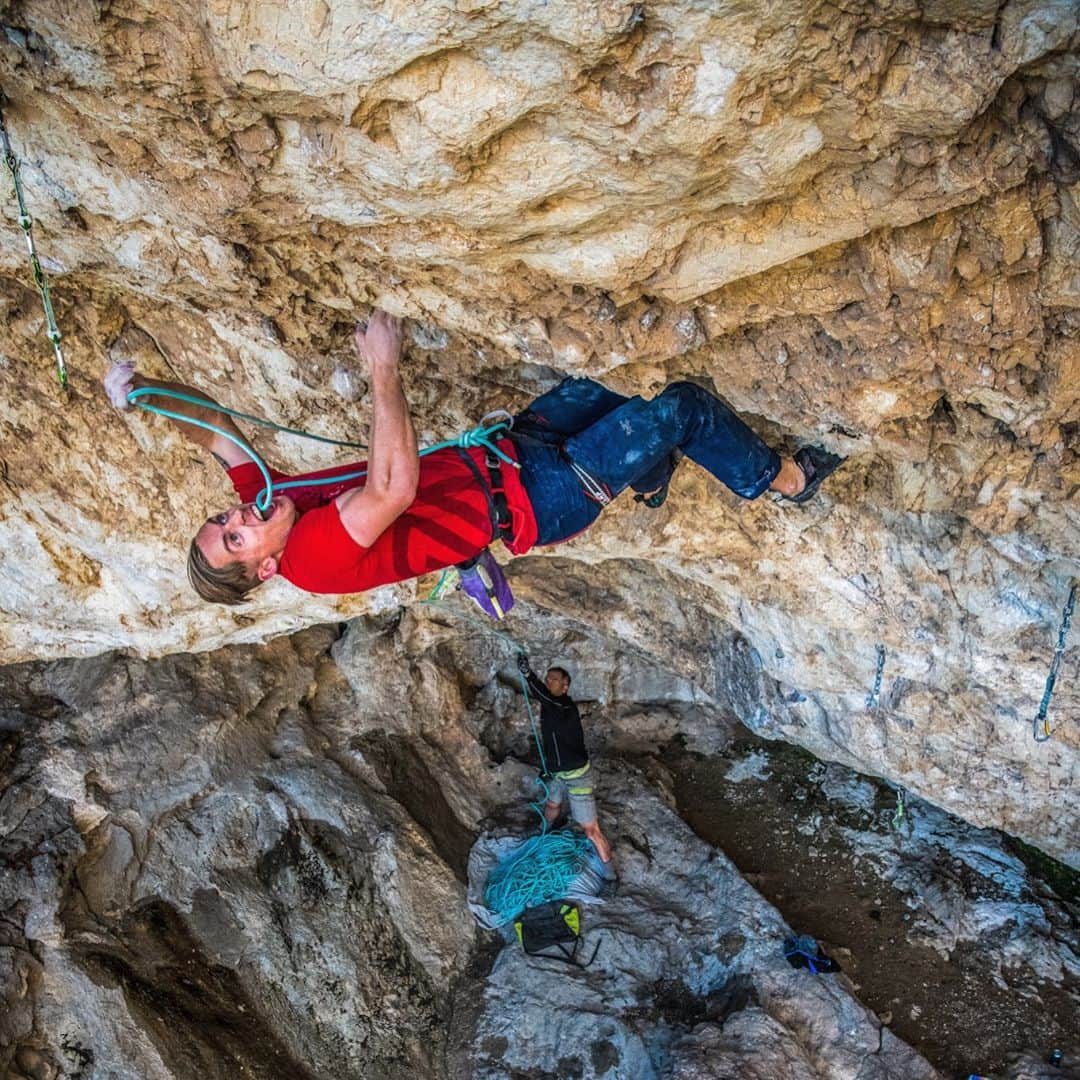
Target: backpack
552	931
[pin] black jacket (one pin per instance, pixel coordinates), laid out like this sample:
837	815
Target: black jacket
560	728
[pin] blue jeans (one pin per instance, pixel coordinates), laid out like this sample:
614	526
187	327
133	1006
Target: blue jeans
627	442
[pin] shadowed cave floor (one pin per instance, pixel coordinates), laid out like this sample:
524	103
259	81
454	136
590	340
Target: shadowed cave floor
765	805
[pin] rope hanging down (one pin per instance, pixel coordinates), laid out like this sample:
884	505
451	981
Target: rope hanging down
26	223
478	436
547	864
436	597
1055	666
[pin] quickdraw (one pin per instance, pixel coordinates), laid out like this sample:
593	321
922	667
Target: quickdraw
26	223
1055	666
900	812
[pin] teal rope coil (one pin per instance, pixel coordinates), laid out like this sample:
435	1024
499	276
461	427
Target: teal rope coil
544	869
479	436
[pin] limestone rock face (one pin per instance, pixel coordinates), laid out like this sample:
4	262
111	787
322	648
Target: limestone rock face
253	863
859	223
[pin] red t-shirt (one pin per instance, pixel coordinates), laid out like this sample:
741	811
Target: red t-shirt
447	523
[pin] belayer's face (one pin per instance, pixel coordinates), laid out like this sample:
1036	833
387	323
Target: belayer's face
238	535
557	683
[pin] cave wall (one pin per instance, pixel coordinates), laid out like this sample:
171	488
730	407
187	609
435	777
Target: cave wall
857	222
252	863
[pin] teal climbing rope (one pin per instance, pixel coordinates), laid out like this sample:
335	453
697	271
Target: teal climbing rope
478	436
436	596
26	223
543	869
1055	666
135	397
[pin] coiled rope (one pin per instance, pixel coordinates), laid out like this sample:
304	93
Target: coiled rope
543	869
478	436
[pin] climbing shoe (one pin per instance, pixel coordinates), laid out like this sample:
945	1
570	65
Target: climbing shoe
656	483
816	463
654	500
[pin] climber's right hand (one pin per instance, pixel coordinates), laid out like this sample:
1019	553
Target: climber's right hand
119	381
523	663
380	341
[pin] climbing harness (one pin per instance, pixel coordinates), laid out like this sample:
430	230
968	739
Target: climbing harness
478	436
875	694
26	223
1055	666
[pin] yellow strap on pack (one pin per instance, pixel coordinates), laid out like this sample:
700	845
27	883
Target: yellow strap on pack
570	916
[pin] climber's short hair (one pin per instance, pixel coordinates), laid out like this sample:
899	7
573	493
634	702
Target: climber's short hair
227	584
560	671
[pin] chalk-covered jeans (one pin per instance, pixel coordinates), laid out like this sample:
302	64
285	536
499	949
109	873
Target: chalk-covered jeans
627	442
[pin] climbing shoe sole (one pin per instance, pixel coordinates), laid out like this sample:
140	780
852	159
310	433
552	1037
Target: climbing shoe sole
816	464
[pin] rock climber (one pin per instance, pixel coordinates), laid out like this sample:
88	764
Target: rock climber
570	776
576	447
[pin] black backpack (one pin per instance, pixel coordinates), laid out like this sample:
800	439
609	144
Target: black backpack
552	931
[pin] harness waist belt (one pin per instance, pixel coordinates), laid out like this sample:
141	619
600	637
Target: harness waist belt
502	521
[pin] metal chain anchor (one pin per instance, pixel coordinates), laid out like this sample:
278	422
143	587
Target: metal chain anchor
875	694
1055	667
26	223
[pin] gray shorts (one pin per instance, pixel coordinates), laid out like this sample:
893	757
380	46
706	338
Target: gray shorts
577	786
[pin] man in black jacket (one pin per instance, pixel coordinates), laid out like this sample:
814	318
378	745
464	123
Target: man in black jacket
569	772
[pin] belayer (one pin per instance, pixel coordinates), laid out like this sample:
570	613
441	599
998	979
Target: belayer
576	448
569	777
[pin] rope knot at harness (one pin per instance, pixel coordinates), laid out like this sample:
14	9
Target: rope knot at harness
482	436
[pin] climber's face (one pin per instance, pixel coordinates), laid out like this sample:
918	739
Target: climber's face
238	535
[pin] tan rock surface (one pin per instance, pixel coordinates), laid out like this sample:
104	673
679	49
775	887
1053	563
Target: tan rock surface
859	222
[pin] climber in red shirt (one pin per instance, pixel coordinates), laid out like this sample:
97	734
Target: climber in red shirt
576	448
